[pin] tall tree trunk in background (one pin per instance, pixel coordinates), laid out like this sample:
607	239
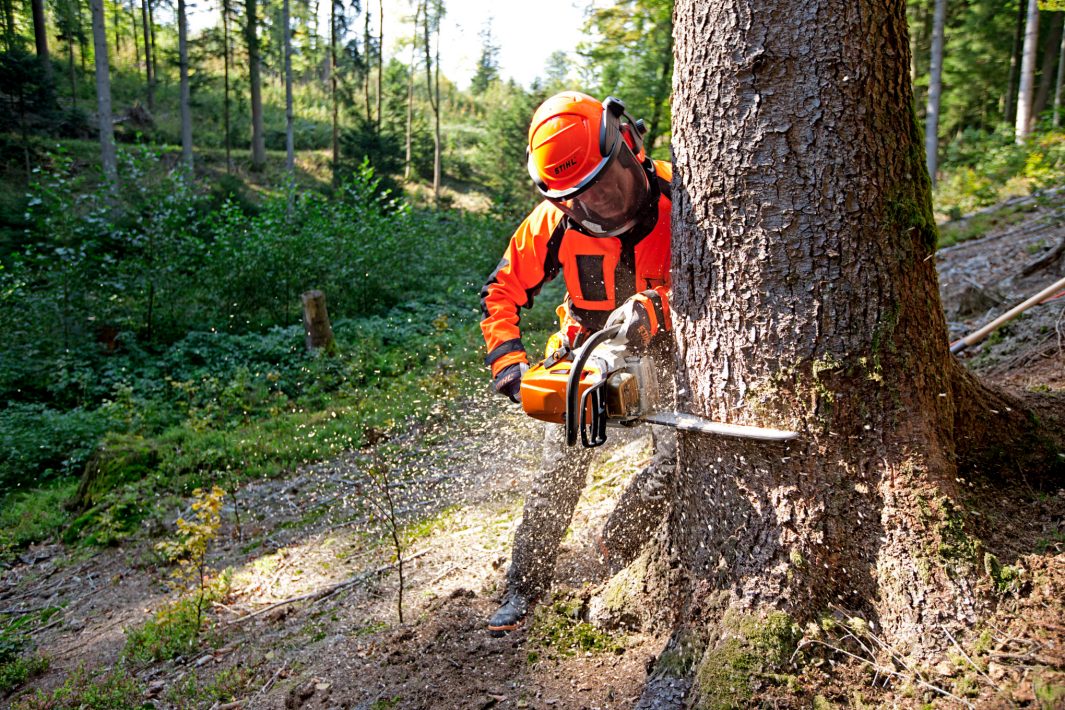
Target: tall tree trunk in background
290	144
73	74
118	25
225	83
251	36
1057	88
805	297
434	87
1050	54
1024	95
40	36
183	66
935	85
133	32
155	51
366	62
1015	62
9	24
103	93
380	56
149	67
410	94
82	41
333	86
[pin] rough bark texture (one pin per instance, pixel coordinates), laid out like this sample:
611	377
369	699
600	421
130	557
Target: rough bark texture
316	326
183	68
805	297
103	93
258	138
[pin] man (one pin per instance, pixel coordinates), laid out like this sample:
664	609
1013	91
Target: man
605	225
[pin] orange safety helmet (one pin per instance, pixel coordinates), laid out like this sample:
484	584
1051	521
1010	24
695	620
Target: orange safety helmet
589	162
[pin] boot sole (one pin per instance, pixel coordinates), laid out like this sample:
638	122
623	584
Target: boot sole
502	629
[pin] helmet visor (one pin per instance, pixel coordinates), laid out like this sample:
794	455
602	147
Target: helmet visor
609	205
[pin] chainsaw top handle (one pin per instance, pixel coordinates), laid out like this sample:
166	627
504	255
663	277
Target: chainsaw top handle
580	357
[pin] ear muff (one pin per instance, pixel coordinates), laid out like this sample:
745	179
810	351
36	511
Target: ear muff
615	117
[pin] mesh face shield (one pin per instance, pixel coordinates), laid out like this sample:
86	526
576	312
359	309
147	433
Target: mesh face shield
607	204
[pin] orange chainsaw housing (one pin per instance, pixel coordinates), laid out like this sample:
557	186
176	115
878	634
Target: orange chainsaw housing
543	389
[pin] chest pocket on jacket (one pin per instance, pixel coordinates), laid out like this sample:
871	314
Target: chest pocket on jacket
588	264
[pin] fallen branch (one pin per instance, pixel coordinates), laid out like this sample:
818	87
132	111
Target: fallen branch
328	591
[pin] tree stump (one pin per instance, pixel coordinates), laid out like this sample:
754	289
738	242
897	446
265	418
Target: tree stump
316	322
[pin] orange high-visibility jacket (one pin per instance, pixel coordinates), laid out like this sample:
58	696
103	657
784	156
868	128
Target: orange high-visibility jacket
600	272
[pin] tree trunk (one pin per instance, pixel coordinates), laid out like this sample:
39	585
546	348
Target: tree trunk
410	94
183	66
805	297
366	63
103	93
316	327
1057	88
333	86
225	83
1050	53
434	96
40	36
133	33
1024	95
155	52
9	24
380	56
935	84
149	75
290	148
1015	63
251	36
118	26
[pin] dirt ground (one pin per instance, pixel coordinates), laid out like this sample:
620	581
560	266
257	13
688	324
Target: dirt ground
310	536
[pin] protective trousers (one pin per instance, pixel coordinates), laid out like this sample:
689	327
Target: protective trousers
549	509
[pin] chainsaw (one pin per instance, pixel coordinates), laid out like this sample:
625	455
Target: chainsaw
604	382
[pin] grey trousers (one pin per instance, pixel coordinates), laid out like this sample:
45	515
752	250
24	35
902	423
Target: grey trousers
549	509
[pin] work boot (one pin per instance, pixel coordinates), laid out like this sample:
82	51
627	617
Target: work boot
510	615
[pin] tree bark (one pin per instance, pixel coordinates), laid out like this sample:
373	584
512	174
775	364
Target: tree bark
333	86
1015	63
1050	54
183	67
149	75
40	36
434	95
366	63
225	82
1024	95
9	24
1057	88
805	297
935	84
380	56
319	333
410	94
103	93
251	36
290	144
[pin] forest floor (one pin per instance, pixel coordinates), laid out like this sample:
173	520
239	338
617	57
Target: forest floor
309	615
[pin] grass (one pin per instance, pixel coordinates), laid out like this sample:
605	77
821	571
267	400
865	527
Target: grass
557	628
31	515
17	671
113	689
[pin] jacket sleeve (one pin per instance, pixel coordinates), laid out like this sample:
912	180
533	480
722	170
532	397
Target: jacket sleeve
530	259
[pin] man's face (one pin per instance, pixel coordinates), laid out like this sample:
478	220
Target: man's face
611	204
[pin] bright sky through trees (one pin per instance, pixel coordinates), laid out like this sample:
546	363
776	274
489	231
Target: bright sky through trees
526	33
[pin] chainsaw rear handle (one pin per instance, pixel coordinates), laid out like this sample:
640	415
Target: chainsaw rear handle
575	414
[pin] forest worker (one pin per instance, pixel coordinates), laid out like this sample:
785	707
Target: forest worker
605	224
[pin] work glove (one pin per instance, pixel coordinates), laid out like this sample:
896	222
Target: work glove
641	317
508	381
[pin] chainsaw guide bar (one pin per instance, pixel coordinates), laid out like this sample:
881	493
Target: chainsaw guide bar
690	422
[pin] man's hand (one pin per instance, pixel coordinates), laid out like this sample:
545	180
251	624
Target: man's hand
508	381
641	317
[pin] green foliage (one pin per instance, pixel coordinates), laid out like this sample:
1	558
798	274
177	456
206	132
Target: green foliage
195	691
750	648
114	689
17	671
173	631
984	168
32	515
557	627
39	444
